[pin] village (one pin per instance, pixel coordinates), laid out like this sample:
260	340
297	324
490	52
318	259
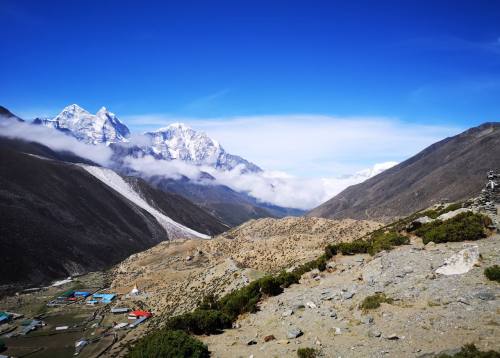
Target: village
72	317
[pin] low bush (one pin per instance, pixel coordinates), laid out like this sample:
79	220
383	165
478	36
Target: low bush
200	321
168	343
270	286
378	241
386	241
470	351
287	279
374	301
307	352
493	273
465	226
353	247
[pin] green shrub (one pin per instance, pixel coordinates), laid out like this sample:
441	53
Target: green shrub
307	352
493	273
270	286
200	321
470	351
353	247
465	226
386	241
288	278
167	343
378	241
240	301
374	301
330	251
433	214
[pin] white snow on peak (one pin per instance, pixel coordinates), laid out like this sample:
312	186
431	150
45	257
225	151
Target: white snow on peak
117	183
177	141
180	142
103	127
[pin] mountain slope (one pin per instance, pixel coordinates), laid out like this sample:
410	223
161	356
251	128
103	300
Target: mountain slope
5	114
231	207
450	170
176	142
58	219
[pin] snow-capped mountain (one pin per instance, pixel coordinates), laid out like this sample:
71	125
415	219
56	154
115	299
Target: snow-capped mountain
174	142
180	142
102	127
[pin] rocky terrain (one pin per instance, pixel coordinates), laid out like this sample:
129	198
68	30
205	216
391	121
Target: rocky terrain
450	170
195	267
174	276
430	312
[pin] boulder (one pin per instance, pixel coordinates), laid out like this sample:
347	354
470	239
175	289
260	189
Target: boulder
269	338
452	214
415	224
311	304
294	333
373	333
461	262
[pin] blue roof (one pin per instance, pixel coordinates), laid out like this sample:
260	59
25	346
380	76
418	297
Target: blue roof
105	297
108	296
82	293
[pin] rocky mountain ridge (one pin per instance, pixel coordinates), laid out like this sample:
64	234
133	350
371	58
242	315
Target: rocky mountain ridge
450	170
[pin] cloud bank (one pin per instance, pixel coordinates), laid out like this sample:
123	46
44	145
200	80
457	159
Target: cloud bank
55	140
311	146
274	187
307	159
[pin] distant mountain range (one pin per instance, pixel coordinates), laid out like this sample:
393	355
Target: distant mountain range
176	142
450	170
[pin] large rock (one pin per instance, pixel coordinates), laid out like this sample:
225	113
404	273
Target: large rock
451	214
294	333
461	262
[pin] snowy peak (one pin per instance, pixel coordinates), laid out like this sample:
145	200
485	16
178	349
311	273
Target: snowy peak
73	110
177	141
180	142
103	127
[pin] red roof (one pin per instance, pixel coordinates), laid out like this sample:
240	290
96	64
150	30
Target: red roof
140	313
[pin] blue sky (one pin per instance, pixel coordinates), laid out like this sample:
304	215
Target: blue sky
413	64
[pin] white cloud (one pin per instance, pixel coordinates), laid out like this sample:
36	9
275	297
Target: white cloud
285	190
307	159
55	140
273	187
312	145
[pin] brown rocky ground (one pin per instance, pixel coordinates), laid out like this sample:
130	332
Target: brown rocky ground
431	313
175	276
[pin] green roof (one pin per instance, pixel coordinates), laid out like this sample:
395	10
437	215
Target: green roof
67	293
